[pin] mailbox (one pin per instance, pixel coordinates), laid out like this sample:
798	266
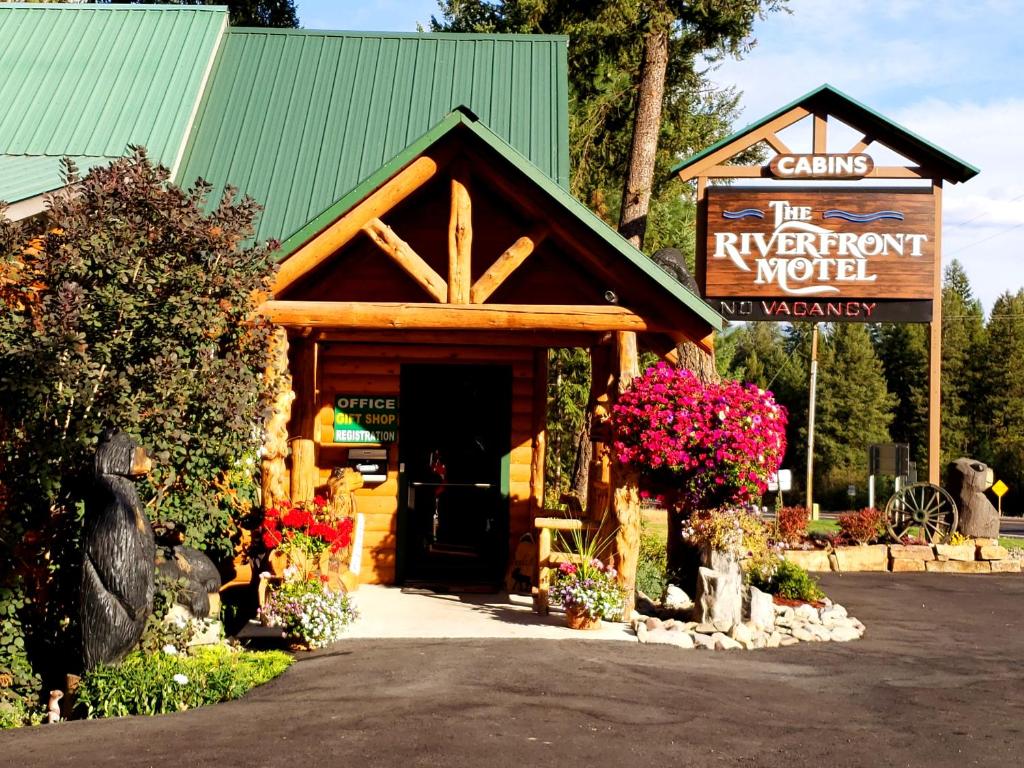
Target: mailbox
371	463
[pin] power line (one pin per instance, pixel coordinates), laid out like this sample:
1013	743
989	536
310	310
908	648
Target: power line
986	239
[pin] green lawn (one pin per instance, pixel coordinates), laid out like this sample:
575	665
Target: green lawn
823	526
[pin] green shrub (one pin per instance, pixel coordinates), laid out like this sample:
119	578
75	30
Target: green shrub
19	685
156	683
650	568
789	580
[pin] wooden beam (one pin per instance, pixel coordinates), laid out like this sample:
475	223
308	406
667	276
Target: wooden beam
540	420
736	172
935	350
860	146
324	244
777	144
543	339
400	251
460	239
386	315
897	172
820	134
505	265
731	150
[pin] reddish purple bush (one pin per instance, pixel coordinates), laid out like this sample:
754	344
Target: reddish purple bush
718	443
861	527
791	523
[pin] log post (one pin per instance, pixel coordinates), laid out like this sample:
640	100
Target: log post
303	424
460	239
275	428
625	506
540	421
544	570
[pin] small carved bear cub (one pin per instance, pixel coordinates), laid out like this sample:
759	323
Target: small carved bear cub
119	552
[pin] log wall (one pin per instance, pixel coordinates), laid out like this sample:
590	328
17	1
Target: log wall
375	369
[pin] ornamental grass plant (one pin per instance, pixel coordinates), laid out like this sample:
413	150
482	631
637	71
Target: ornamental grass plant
588	586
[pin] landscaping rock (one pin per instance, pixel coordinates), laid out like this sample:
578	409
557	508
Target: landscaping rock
706	628
833	615
911	552
963	552
803	634
1005	566
788	641
784	612
641	632
668	624
959	566
703	641
743	635
762	609
808	559
992	552
844	634
774	640
821	634
676	599
719	596
873	557
725	643
986	542
901	565
807	613
653	622
668	637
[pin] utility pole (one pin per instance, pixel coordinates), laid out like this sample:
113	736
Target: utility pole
810	420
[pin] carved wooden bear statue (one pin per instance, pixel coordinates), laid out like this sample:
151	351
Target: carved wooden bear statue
119	552
967	480
176	561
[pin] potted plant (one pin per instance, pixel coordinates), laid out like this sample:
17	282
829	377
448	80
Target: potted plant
304	538
308	611
588	591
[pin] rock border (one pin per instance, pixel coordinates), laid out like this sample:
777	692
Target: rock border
975	556
787	626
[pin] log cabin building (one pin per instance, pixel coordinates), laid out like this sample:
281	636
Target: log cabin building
431	252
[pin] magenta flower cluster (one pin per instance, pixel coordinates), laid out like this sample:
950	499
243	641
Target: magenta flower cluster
719	443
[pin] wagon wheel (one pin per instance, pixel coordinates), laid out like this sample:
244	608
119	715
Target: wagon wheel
924	506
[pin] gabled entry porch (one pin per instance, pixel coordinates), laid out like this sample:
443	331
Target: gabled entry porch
421	309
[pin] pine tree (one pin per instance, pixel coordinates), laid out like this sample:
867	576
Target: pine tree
903	350
1003	393
854	409
963	342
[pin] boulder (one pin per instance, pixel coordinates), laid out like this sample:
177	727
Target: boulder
667	637
653	622
844	634
703	641
967	480
720	596
955	551
872	557
808	559
808	613
901	565
911	552
743	635
959	566
676	599
803	634
762	609
725	643
990	552
1005	566
788	641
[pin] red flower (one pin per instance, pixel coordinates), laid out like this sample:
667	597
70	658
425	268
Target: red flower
297	518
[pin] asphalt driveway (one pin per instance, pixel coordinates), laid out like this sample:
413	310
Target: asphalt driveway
935	682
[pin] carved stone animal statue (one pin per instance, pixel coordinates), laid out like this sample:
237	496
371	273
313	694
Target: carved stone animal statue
119	550
176	561
967	480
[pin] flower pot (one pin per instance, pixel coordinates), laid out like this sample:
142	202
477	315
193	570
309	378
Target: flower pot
578	619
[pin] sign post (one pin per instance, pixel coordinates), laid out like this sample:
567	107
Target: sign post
999	488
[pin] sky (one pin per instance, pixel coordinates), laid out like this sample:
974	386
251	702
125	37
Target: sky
948	70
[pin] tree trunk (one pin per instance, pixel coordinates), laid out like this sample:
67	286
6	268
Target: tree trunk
636	192
682	559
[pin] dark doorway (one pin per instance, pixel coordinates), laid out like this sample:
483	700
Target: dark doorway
454	437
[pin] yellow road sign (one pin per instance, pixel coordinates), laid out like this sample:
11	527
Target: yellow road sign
999	488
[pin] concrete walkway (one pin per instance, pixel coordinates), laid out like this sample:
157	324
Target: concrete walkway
388	612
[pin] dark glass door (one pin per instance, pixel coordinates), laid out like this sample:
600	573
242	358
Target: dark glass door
454	437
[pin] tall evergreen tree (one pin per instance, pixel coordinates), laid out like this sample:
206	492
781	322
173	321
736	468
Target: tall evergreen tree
250	13
854	409
1003	393
963	343
903	350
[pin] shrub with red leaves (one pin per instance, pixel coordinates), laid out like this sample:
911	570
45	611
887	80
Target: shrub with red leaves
791	523
863	526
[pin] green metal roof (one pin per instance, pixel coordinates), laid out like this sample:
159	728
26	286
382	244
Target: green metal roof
555	198
832	101
87	81
299	118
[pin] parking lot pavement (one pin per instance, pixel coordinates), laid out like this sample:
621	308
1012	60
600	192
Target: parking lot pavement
936	681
